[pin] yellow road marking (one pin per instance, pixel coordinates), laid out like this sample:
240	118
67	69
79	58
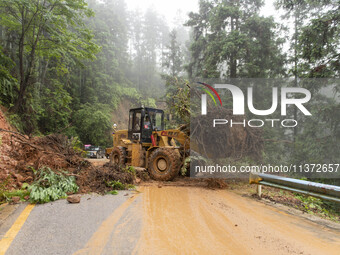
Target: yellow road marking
13	231
100	238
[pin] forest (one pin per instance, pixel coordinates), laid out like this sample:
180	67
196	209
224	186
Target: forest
67	65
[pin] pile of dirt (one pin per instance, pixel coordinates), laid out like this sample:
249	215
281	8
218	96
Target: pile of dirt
224	141
56	152
216	183
20	155
8	176
285	200
96	179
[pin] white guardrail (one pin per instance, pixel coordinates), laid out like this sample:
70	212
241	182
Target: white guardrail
319	190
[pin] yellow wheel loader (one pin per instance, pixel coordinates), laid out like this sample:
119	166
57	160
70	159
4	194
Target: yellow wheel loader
147	144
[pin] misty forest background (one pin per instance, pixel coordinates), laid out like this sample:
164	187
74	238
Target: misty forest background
69	66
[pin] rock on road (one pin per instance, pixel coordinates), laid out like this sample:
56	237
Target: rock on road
168	220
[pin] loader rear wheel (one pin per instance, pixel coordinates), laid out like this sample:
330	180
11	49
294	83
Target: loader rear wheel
118	156
164	164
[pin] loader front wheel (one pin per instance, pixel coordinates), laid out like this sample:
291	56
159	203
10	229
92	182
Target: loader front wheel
164	164
118	156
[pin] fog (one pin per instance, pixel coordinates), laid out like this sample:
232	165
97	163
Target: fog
170	8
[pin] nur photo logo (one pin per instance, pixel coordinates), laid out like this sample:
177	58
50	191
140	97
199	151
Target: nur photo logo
286	97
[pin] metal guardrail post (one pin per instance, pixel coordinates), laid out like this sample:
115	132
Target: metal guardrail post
259	190
319	190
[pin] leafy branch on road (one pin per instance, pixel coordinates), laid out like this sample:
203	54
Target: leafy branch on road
50	186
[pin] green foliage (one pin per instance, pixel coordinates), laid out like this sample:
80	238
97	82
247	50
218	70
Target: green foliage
116	185
185	166
131	93
173	56
77	146
93	124
48	39
178	99
112	192
130	187
8	83
324	208
16	193
230	39
3	190
6	194
51	31
130	169
310	203
16	121
149	102
53	107
50	186
316	37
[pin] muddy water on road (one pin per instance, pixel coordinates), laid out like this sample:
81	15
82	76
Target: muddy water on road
188	220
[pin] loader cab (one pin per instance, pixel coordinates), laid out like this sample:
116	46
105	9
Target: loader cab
143	121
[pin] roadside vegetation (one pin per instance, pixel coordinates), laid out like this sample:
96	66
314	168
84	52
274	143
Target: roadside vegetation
47	186
307	204
6	193
50	184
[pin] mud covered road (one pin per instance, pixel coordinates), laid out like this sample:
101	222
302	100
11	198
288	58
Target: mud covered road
169	220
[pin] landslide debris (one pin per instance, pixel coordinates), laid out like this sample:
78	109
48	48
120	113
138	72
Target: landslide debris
97	179
21	155
216	183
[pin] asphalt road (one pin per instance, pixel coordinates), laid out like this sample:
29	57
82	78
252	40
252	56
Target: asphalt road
167	220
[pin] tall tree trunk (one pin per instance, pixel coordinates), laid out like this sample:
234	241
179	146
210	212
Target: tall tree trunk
233	69
25	77
20	100
233	61
295	66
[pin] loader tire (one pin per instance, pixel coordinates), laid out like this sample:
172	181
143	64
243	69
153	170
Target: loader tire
118	156
164	164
